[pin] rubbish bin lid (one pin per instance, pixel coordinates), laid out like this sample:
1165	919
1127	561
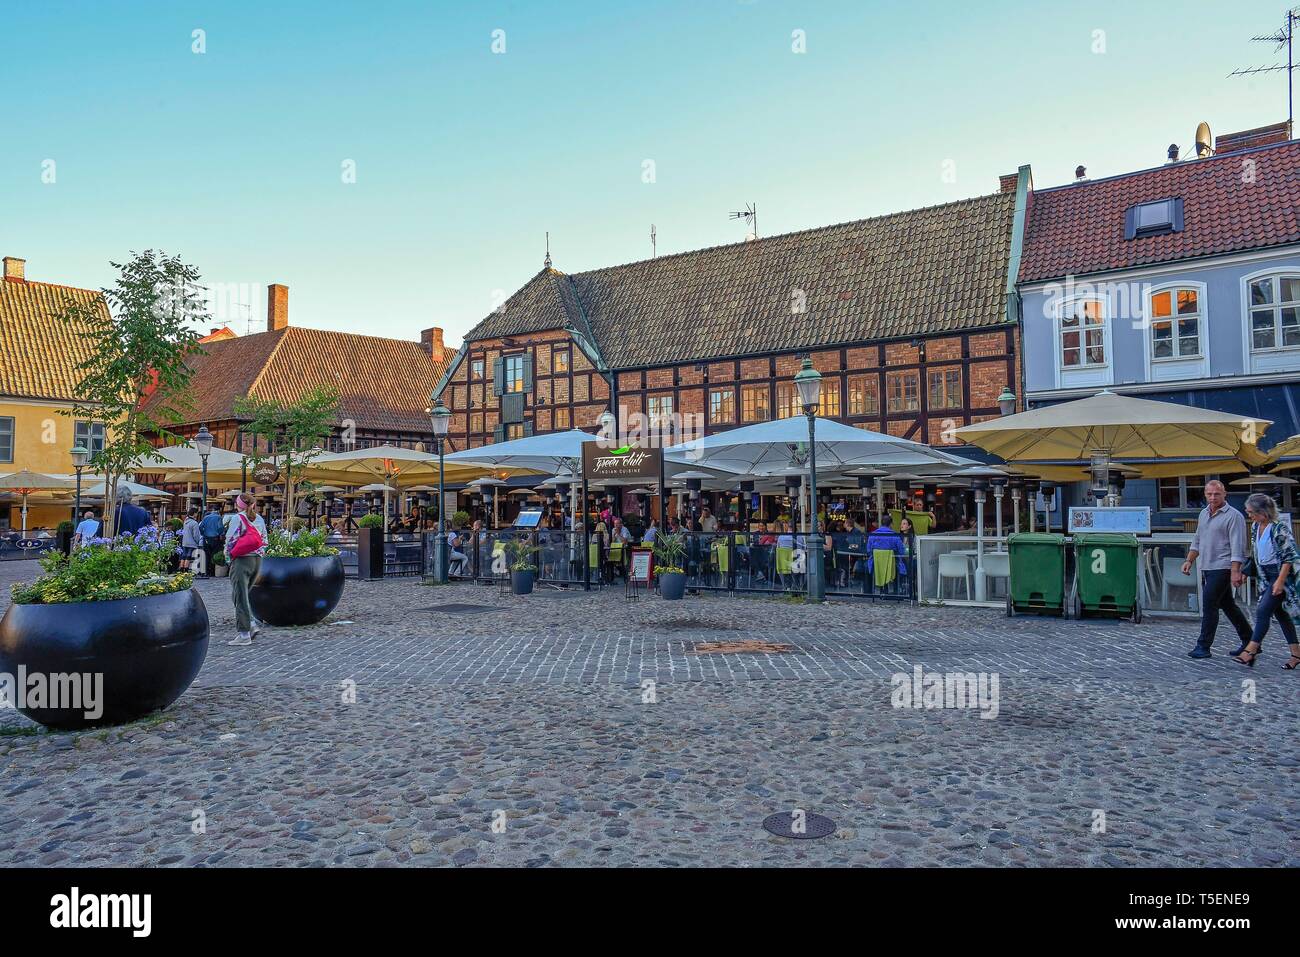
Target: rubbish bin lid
1036	538
1113	539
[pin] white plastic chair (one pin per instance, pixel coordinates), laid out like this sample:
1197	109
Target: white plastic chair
954	567
1172	575
997	565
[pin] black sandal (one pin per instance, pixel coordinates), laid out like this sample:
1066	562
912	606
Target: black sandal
1251	662
1293	663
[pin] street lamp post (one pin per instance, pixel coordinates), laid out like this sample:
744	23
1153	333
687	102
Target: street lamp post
809	383
441	418
1007	401
80	459
203	442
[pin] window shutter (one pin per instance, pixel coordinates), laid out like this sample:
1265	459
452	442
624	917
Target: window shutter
528	372
498	376
499	434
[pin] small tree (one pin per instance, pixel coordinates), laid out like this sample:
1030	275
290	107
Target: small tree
290	431
142	342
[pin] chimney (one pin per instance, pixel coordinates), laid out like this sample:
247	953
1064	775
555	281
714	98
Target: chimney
1249	139
1171	154
1008	182
15	269
277	306
431	342
1080	173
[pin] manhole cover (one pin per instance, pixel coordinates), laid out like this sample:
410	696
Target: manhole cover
746	646
800	825
459	608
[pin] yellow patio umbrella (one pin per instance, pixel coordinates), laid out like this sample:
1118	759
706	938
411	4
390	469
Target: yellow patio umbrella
1141	432
25	482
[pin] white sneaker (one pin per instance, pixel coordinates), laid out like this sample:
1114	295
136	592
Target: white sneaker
244	639
257	627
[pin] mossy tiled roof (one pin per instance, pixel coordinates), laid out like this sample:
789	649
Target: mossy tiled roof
39	352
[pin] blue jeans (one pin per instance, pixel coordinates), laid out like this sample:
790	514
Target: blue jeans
1270	606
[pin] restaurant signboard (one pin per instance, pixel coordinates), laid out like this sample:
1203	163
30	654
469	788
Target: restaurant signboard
630	463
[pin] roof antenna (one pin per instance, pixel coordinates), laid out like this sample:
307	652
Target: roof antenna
750	215
652	240
547	263
1282	38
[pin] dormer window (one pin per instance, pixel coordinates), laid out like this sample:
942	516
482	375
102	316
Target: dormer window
1154	219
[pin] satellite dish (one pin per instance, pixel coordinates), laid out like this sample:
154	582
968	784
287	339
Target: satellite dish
1204	145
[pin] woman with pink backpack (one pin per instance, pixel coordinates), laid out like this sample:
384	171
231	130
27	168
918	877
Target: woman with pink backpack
245	543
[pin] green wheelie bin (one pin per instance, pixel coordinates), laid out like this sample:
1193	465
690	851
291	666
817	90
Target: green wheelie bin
1037	583
1106	575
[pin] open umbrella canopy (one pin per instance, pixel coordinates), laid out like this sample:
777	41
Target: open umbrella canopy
762	448
26	481
1124	426
99	489
552	452
185	458
390	464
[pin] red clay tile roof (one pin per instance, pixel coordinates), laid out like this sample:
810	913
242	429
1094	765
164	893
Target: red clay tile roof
1079	229
383	384
927	270
39	353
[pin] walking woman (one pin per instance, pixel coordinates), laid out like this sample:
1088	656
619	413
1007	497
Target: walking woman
1276	564
245	543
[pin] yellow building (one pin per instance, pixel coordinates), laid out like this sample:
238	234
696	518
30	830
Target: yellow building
39	355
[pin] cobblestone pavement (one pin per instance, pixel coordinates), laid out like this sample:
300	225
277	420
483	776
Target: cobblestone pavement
534	713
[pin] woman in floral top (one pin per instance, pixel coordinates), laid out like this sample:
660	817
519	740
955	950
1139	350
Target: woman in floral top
1277	563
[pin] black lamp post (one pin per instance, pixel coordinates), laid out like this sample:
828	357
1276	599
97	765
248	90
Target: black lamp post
440	416
203	442
80	459
809	383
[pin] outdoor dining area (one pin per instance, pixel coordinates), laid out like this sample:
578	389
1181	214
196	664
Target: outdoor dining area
797	505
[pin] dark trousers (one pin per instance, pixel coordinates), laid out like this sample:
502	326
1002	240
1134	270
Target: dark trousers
1216	594
210	548
1270	606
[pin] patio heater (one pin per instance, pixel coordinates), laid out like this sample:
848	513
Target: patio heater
999	490
793	486
1017	486
1099	464
203	442
440	417
80	459
1049	497
809	383
746	497
980	478
1032	487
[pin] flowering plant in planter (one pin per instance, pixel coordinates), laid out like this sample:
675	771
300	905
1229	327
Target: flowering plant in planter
284	542
670	551
108	569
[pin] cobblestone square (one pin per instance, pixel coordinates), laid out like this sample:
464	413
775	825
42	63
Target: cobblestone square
566	728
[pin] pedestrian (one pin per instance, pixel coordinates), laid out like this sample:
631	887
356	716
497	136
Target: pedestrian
1276	566
87	529
708	523
1220	543
245	544
191	541
130	517
212	531
652	530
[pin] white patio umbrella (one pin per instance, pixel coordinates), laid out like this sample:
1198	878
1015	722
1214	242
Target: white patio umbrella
760	448
25	482
553	452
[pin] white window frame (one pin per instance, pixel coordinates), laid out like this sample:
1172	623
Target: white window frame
1090	369
1173	368
13	437
1275	276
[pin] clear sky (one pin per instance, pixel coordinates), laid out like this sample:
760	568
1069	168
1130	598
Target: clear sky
464	157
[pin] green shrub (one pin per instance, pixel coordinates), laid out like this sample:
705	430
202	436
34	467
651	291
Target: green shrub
300	543
130	566
65	526
370	521
460	519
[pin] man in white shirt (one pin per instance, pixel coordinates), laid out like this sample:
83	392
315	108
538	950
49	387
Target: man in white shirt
707	522
87	529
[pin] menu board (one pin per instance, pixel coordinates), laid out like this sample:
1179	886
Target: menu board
642	565
1133	519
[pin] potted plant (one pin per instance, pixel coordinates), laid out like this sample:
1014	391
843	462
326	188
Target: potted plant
301	578
670	552
109	620
370	546
219	566
519	553
460	519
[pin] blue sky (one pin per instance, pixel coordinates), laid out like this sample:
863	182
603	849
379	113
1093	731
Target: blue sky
464	157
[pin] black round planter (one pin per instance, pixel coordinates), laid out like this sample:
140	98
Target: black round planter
672	585
521	582
148	650
297	591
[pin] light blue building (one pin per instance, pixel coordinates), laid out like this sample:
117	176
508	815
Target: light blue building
1179	283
